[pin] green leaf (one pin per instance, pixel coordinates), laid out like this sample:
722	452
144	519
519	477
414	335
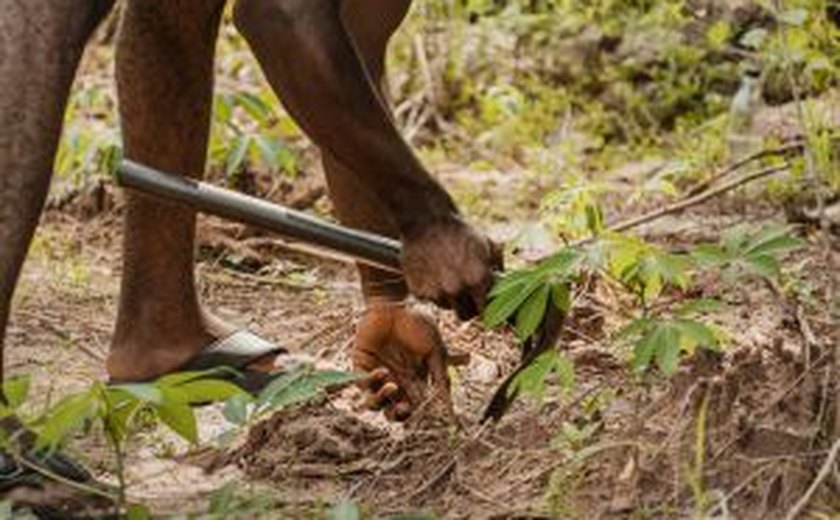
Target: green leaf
662	343
561	297
696	334
754	38
209	390
179	417
344	511
123	407
594	219
563	264
511	280
222	500
236	409
16	389
718	34
668	355
278	386
148	392
565	372
795	17
269	148
530	314
334	379
504	305
138	512
773	241
254	106
709	254
532	380
223	110
178	378
299	391
643	353
636	327
698	306
67	417
236	154
766	266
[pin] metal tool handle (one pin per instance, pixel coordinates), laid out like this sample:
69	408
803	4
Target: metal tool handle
368	248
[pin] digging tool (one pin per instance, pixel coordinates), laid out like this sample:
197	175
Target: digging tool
307	232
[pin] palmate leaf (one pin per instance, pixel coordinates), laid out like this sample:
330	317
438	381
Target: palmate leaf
530	314
532	380
505	304
513	291
178	378
332	379
763	265
772	241
209	391
301	385
698	306
121	411
695	334
147	392
710	254
511	281
179	417
67	417
663	341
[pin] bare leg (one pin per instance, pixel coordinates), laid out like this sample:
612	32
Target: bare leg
370	23
165	78
309	57
399	346
41	42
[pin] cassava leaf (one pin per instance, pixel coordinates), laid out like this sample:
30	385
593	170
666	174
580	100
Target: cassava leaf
179	417
16	389
530	314
505	304
209	390
235	409
67	417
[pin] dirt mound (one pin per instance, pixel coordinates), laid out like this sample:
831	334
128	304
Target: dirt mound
733	433
321	453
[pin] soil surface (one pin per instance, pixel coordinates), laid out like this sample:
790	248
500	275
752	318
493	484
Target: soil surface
612	447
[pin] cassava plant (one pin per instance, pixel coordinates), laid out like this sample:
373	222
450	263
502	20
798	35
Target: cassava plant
665	319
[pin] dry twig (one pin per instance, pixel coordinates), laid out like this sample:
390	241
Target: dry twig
823	474
695	200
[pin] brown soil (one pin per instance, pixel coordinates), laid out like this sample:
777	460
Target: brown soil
613	447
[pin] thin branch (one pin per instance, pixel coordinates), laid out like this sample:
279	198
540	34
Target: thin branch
695	200
825	471
794	146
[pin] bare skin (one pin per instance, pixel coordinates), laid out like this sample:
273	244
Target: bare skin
325	60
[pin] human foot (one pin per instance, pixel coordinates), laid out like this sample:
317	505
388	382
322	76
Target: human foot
143	353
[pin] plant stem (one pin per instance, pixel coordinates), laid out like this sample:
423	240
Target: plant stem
118	453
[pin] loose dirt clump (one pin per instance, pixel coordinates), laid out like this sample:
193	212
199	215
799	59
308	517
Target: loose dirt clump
318	452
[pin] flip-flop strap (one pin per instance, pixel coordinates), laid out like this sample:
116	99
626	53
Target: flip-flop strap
14	474
238	350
